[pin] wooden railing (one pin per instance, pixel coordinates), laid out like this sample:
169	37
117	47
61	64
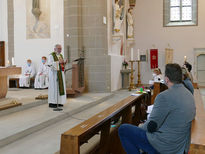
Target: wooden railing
129	110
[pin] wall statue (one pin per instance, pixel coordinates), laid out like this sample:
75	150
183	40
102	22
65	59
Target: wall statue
118	17
130	23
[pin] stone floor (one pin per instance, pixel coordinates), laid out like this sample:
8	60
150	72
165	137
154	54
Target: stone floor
23	96
202	90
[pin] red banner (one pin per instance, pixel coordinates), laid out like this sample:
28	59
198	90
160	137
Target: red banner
153	58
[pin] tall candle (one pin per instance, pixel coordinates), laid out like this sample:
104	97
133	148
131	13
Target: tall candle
131	54
138	54
12	61
8	63
185	58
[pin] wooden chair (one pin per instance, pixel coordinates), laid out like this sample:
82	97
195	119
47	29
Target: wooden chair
158	88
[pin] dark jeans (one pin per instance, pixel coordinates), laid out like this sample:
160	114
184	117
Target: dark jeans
134	139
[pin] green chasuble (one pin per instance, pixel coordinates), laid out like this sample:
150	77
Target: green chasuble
59	74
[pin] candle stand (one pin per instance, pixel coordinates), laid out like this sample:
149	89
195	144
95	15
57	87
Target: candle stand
132	85
138	74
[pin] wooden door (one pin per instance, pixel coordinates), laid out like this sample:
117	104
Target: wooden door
2	53
201	69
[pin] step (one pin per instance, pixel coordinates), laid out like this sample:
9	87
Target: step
24	106
47	140
20	124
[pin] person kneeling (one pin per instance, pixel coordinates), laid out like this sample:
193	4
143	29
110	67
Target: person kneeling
28	72
41	80
168	129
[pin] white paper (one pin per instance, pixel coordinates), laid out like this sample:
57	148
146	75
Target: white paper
135	94
151	82
149	108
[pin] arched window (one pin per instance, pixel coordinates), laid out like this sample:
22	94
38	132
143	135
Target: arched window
180	12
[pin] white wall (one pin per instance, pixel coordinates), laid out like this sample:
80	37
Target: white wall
116	66
149	30
4	25
36	48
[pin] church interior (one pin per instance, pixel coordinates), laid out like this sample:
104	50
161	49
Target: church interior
73	71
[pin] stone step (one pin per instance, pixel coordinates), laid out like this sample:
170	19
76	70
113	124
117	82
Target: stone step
17	125
23	107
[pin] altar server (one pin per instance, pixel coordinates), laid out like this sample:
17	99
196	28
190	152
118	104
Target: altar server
28	72
41	80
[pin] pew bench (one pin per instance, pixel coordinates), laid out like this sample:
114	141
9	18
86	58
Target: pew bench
14	82
128	110
198	126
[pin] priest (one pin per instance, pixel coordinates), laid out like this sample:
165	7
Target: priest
56	89
41	80
28	72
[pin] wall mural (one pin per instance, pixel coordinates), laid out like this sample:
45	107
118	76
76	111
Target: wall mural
37	19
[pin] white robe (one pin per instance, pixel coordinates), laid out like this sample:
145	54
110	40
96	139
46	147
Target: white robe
53	88
24	80
41	81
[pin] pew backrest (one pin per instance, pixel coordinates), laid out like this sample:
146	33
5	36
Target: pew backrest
100	123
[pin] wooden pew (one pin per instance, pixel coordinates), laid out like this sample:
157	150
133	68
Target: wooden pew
198	126
101	124
158	88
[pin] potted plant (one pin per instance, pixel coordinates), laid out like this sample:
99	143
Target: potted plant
125	64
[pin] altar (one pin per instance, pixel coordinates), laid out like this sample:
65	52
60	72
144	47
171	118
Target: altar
4	73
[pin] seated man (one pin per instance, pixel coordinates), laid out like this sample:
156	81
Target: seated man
41	80
168	129
28	72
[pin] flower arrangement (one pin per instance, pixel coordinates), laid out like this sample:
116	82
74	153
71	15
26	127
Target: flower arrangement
125	64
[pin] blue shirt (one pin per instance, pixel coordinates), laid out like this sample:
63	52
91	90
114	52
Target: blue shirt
189	85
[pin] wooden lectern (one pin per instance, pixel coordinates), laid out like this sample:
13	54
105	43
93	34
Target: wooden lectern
78	83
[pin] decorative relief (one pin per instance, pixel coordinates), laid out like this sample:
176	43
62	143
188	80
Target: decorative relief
37	19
